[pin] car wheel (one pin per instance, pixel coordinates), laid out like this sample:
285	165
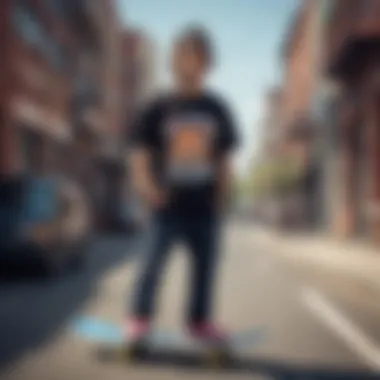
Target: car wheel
52	269
35	261
78	256
48	265
76	262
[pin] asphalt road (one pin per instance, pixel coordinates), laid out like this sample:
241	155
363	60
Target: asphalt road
314	325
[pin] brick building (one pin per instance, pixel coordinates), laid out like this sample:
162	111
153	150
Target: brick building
138	72
300	74
55	76
326	140
272	124
112	148
353	60
299	80
86	105
6	138
137	86
98	107
60	90
35	89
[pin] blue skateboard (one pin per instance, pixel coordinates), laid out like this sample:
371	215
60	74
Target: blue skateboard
165	346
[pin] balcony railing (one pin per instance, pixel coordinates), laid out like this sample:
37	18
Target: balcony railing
352	20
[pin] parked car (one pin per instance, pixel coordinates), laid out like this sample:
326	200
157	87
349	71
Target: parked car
44	223
130	216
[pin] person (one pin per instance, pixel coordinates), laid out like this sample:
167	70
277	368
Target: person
182	168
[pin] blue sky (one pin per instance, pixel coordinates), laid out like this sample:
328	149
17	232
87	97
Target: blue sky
248	35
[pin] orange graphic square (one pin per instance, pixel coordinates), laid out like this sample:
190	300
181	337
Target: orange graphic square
190	145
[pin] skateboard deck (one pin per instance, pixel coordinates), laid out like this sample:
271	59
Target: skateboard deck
165	346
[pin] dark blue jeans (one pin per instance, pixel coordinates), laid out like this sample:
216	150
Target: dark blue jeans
201	237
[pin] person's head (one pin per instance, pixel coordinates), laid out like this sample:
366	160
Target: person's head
192	58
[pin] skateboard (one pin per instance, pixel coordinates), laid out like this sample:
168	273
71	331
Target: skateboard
176	347
164	346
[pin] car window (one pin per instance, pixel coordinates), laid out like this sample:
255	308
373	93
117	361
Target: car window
40	200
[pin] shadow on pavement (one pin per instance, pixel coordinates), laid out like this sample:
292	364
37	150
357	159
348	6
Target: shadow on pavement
264	368
33	312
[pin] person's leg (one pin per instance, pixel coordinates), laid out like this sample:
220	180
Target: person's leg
162	234
202	237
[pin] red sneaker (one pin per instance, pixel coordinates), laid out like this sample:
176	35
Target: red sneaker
208	332
136	329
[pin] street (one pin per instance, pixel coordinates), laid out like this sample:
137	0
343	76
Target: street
314	324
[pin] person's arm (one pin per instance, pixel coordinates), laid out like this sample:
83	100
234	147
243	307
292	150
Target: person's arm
143	181
227	144
144	142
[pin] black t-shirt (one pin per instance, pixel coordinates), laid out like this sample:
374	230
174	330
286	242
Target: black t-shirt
186	138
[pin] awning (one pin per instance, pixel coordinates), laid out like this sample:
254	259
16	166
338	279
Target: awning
41	119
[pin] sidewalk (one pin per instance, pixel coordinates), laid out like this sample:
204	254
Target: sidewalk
352	258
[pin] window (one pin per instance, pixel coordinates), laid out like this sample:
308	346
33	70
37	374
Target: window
57	7
26	24
54	53
41	200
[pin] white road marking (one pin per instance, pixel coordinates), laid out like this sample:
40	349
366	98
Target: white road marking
357	341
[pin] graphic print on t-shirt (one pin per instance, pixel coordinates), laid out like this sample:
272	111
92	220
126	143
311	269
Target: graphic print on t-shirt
190	139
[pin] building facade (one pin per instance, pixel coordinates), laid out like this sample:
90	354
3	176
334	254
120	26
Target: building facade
88	104
272	125
299	59
300	77
36	74
353	60
138	73
138	81
60	98
99	119
325	104
6	138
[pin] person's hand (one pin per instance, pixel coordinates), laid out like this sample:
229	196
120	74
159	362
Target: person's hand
157	198
153	196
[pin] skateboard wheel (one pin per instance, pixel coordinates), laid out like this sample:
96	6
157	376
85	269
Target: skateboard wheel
133	352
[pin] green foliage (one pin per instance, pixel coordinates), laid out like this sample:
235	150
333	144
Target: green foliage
272	178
